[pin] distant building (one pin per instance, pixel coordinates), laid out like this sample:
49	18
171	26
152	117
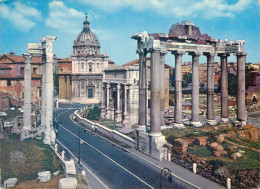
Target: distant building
65	70
12	77
253	80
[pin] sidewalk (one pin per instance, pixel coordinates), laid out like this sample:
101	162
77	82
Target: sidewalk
194	179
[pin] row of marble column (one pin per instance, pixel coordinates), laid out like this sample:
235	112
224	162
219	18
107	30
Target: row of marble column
157	88
106	109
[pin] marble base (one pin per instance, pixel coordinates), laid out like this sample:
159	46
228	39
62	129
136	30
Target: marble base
211	122
49	136
108	114
224	120
196	124
25	133
152	144
178	126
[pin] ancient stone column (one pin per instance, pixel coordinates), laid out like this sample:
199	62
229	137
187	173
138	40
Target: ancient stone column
43	93
142	93
118	107
210	89
224	88
241	109
155	93
49	134
126	116
195	118
162	62
178	89
108	106
25	132
103	101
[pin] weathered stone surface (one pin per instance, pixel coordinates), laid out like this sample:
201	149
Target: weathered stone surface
70	168
215	146
11	182
232	148
219	153
230	134
236	155
44	176
68	183
219	148
250	133
56	173
220	138
202	141
181	145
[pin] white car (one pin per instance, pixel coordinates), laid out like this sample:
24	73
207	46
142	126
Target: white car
3	114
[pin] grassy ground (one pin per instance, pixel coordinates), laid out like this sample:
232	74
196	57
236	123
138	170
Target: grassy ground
254	116
24	160
11	113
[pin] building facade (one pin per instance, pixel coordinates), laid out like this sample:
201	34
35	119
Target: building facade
87	66
12	69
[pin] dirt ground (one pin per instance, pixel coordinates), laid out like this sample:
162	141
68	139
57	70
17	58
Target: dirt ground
34	184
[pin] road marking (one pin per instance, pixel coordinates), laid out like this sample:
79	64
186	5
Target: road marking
181	179
83	165
106	156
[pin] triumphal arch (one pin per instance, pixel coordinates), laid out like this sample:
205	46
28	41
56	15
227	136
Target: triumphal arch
185	38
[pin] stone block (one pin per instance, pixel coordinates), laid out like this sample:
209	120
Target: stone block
202	141
70	168
68	183
56	173
232	148
236	155
181	145
217	153
220	138
44	176
11	182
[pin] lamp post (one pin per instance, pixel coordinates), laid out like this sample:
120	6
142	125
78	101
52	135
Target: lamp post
167	172
80	142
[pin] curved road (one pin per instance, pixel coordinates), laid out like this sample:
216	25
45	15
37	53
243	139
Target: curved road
115	167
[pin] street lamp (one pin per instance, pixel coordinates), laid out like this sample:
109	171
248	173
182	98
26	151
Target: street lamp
167	172
80	142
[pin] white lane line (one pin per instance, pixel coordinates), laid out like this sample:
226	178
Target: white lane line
108	157
84	165
181	179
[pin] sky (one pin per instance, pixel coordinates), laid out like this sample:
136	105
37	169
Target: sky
115	21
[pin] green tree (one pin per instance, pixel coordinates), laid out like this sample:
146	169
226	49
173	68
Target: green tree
187	78
94	114
232	85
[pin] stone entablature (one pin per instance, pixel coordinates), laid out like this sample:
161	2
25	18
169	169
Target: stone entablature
192	42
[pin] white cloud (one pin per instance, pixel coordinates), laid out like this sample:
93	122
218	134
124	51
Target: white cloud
63	18
23	17
205	8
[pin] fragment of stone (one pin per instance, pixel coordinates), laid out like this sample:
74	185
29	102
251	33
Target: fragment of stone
220	138
68	183
11	182
70	168
202	141
56	173
236	155
44	176
232	148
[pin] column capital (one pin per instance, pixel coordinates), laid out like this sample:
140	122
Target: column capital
240	54
27	56
223	54
195	54
209	54
108	85
118	86
178	52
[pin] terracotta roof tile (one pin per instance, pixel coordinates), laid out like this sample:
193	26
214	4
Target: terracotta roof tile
65	60
20	59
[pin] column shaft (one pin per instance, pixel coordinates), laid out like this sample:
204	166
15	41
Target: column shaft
195	88
210	87
103	101
126	117
155	93
43	92
108	107
142	88
241	109
162	85
224	87
178	88
118	107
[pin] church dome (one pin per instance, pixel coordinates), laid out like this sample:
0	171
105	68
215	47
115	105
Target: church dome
86	41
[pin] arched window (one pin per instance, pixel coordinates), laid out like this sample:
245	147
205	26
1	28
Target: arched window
90	68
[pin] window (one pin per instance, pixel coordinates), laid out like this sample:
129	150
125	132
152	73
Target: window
21	70
34	70
90	68
82	66
8	82
61	70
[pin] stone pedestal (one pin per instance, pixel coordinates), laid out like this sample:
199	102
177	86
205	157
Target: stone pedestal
211	122
152	144
224	120
178	125
49	136
196	124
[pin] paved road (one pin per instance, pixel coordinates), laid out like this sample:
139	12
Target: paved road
115	167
